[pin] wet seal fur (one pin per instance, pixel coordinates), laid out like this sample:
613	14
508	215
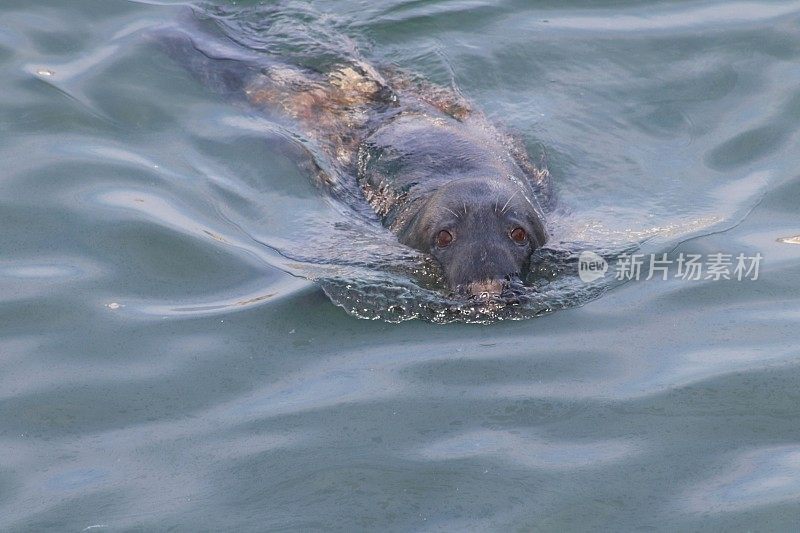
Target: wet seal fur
435	170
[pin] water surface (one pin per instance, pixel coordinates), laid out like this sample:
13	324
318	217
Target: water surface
165	363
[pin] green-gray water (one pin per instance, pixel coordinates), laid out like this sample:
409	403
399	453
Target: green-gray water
164	367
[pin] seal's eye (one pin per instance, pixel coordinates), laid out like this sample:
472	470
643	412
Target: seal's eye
518	235
444	238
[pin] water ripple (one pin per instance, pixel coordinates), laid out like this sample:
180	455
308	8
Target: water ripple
528	450
671	19
754	478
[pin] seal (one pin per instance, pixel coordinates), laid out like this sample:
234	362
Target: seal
434	169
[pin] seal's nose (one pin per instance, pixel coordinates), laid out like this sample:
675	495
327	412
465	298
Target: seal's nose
485	289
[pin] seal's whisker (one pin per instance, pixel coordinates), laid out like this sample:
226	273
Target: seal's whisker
453	212
503	211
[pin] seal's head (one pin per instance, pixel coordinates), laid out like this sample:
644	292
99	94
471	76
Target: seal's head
481	231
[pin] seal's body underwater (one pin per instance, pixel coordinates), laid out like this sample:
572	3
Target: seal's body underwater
440	176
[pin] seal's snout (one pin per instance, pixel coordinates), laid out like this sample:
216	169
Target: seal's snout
490	288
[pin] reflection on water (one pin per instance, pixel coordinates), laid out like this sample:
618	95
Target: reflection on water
170	356
756	478
527	451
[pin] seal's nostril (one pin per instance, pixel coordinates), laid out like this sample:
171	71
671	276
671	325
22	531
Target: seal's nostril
486	289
